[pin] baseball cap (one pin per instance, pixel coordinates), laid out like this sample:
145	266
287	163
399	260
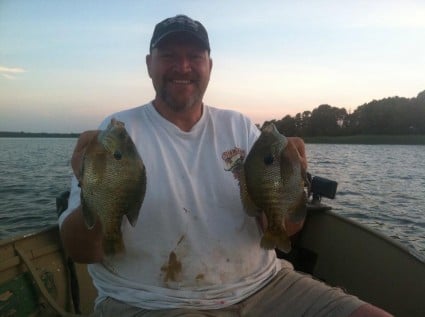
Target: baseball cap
180	24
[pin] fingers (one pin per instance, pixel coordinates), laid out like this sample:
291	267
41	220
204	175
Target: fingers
300	146
82	143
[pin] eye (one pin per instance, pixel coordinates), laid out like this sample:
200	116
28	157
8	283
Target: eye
197	56
117	155
167	55
268	160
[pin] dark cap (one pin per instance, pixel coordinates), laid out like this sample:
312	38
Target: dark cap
180	24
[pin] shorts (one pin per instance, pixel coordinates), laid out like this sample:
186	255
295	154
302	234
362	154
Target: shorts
290	293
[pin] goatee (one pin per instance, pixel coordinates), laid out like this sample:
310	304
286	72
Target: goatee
180	105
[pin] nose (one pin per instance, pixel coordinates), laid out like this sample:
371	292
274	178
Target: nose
182	64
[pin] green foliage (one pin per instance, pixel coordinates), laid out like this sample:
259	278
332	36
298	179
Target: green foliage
388	116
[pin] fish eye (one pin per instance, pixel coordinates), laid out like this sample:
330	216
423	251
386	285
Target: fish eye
117	155
268	160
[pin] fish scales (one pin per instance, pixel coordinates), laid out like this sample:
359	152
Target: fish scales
272	182
113	184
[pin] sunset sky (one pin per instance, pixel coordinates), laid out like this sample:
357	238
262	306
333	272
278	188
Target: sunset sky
65	65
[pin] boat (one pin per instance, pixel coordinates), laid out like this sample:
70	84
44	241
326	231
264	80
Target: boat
38	279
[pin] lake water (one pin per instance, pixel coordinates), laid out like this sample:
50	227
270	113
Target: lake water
33	171
382	186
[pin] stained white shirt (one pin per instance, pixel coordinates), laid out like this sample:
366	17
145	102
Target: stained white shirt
193	245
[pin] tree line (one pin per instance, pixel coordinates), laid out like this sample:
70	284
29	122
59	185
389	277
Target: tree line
388	116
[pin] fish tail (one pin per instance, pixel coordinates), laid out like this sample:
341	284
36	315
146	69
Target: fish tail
272	240
113	246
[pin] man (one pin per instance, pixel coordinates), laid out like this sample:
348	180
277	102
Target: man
193	251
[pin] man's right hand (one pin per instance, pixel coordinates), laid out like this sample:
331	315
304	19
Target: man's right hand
82	245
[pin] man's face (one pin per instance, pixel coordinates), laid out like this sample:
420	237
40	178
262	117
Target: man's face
180	70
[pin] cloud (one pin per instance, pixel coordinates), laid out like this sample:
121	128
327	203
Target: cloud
10	72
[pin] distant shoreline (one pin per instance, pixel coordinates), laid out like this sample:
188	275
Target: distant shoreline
349	139
408	139
4	134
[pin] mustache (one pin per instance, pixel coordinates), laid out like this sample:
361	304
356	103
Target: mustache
180	76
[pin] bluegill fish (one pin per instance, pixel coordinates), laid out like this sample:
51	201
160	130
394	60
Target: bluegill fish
113	184
272	181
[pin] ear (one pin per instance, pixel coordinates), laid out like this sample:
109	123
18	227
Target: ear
211	64
148	64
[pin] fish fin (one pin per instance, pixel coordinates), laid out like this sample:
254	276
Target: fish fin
279	240
88	214
132	215
113	246
250	208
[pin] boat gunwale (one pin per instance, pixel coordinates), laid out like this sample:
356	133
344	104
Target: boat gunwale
389	240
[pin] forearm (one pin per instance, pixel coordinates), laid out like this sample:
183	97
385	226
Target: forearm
81	244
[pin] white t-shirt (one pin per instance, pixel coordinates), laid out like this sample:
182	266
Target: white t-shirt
193	245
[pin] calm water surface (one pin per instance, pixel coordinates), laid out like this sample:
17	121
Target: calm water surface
382	186
33	171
